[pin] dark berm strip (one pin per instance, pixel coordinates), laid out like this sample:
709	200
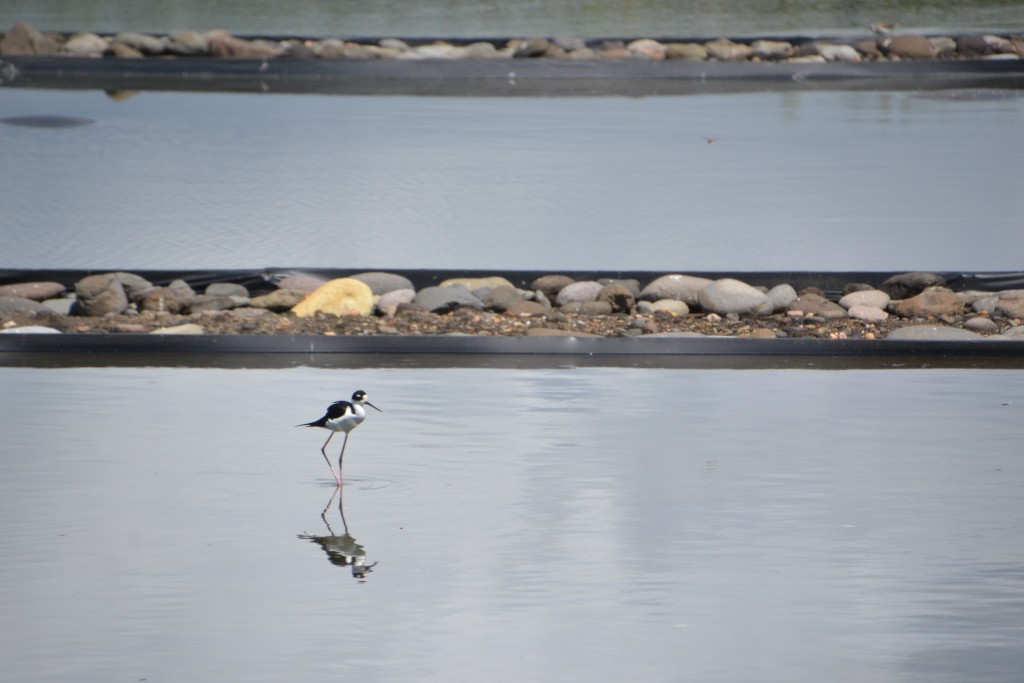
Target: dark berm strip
500	77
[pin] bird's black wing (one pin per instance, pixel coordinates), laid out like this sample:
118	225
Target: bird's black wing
336	410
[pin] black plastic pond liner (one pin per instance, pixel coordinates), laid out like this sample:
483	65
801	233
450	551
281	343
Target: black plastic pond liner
101	350
500	77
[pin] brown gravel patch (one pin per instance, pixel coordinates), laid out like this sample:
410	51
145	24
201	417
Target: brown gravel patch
416	322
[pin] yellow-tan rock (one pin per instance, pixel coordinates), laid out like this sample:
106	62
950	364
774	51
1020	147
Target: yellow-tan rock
344	296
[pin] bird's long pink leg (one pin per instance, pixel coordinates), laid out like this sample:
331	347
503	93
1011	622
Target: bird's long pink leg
324	452
342	456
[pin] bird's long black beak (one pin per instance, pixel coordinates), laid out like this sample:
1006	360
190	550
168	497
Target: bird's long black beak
374	407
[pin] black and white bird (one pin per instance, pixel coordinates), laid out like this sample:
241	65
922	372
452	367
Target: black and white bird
342	416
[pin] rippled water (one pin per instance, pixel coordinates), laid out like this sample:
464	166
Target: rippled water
803	181
516	17
583	524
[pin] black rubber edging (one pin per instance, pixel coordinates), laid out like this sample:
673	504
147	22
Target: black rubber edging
499	77
178	347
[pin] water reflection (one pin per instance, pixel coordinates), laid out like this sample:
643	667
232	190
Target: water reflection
343	550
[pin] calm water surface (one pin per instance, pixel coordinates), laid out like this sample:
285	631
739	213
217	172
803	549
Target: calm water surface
562	524
803	181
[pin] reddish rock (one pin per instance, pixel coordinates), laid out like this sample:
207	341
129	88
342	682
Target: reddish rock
1011	303
868	48
934	301
551	285
161	300
36	291
815	304
908	47
223	44
619	297
23	39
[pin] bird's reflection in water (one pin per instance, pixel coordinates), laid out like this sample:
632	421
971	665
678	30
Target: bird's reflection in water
344	550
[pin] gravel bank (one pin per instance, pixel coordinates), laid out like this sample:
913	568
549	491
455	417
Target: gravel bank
908	305
882	43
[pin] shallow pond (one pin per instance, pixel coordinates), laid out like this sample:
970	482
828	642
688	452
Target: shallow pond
813	181
600	524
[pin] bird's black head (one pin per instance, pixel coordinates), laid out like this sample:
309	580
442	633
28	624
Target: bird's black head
361	398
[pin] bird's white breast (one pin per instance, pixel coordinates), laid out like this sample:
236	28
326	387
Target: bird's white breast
349	421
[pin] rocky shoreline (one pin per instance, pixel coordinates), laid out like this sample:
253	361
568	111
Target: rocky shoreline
905	306
23	39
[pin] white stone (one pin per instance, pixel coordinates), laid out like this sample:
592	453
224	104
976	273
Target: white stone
187	328
875	298
871	314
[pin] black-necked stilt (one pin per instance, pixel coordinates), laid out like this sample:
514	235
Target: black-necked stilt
342	416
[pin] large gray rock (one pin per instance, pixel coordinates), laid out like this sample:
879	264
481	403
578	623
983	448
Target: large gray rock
13	304
779	298
684	288
578	292
62	306
981	324
134	285
388	303
382	283
100	295
500	298
731	296
447	298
